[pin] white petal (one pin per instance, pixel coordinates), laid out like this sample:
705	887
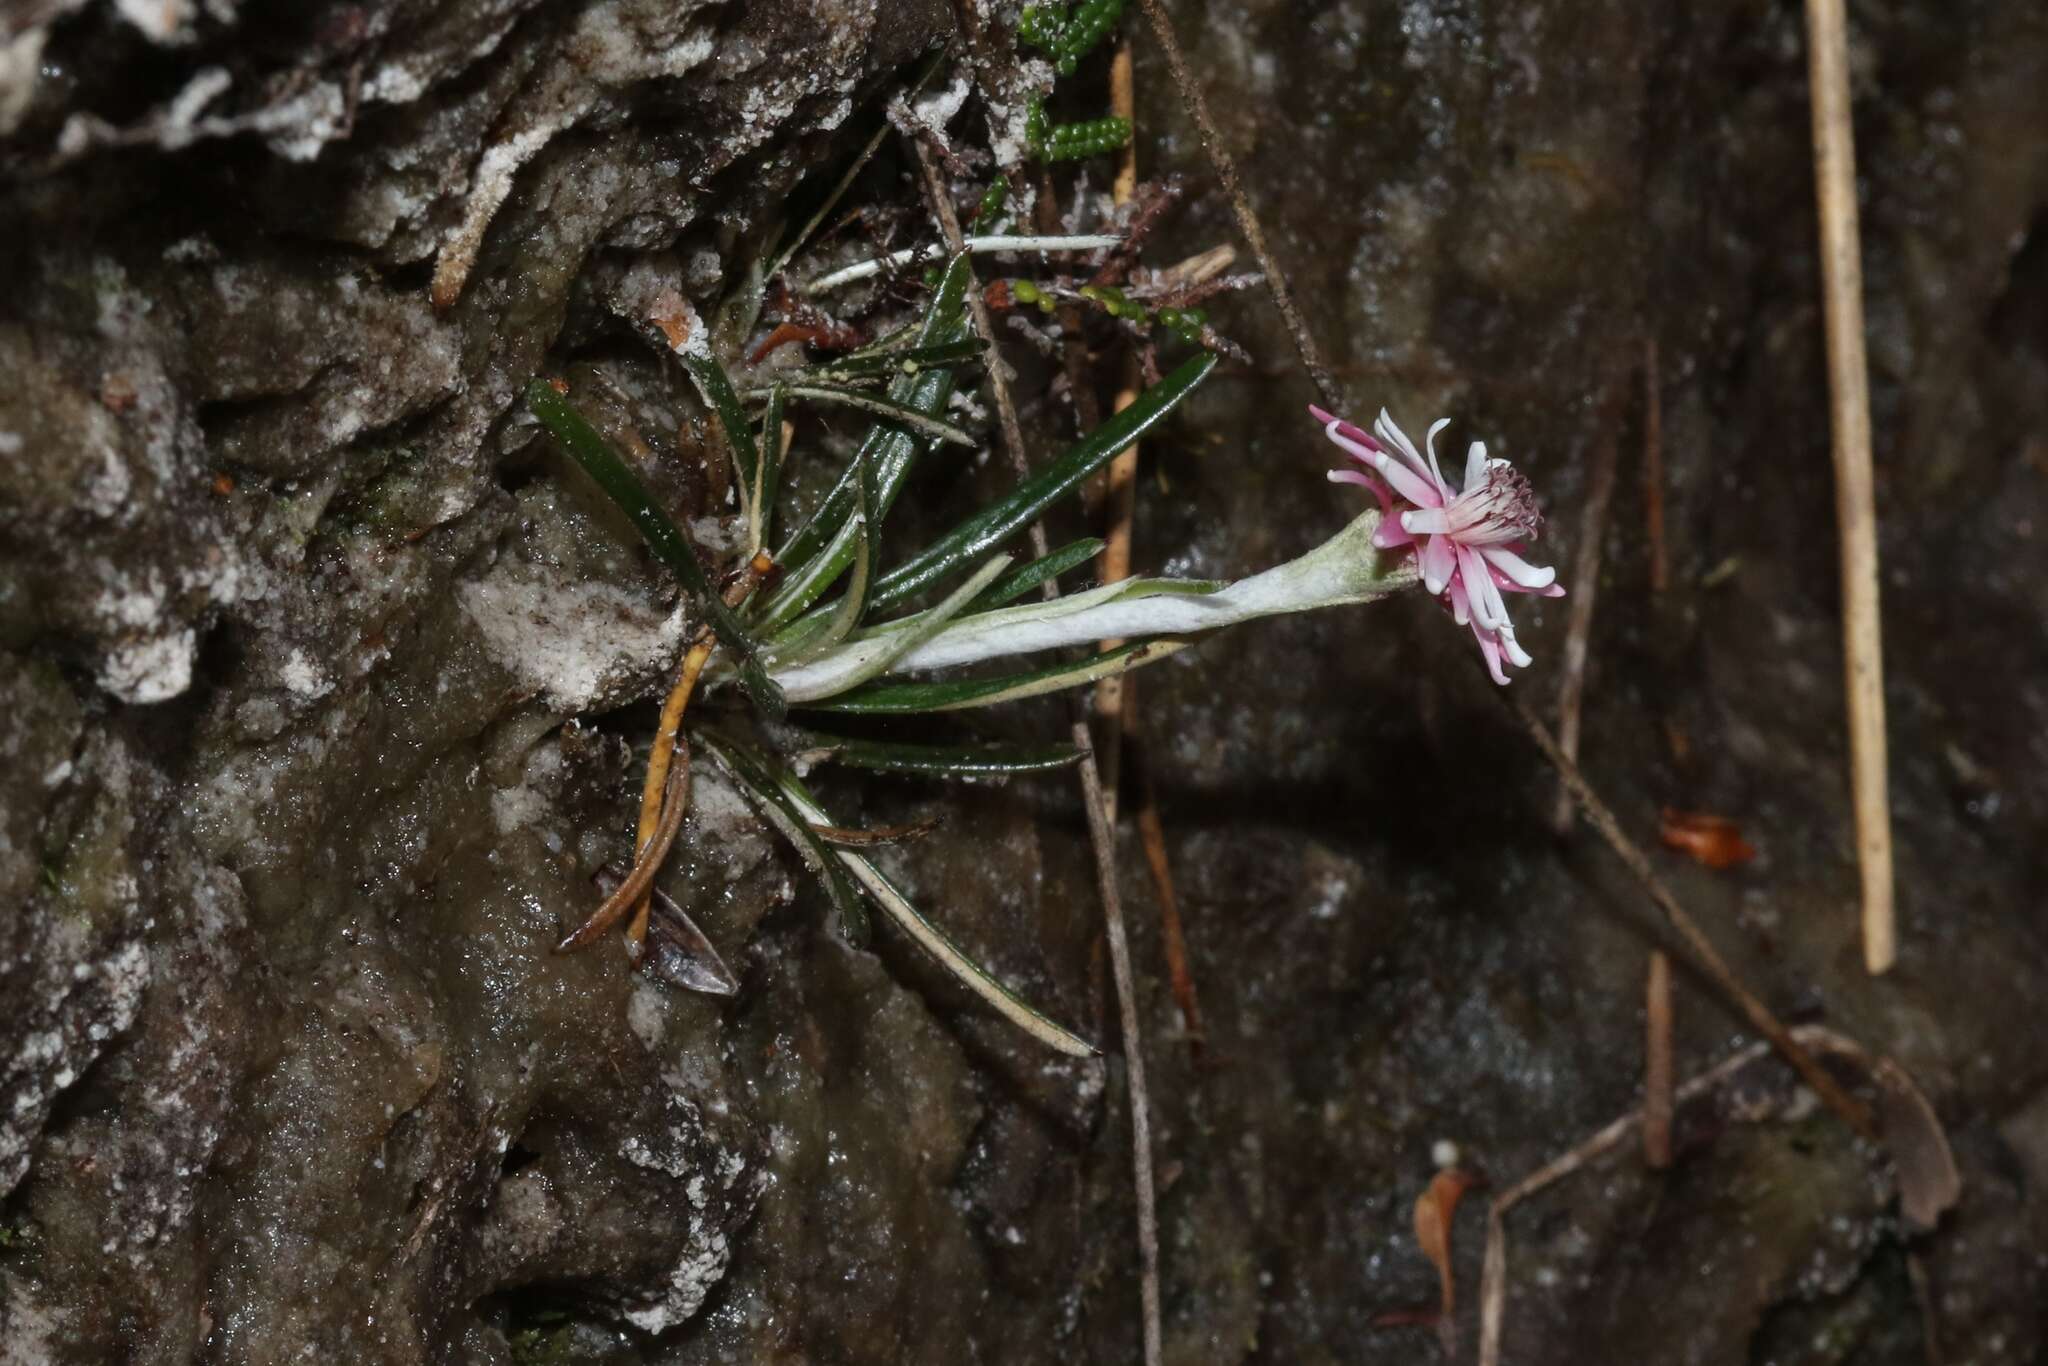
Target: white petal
1475	465
1524	574
1518	656
1425	522
1390	432
1438	561
1435	468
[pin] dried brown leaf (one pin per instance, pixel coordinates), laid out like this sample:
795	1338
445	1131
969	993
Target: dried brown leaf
1714	841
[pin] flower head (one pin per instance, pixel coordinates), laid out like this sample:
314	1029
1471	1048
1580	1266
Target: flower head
1466	539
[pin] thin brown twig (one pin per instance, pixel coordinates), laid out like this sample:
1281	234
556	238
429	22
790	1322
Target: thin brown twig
1134	1053
1101	837
1121	478
1247	221
1571	690
1494	1267
1927	1182
1653	468
998	375
1657	1069
1153	834
1706	958
639	883
652	788
1834	155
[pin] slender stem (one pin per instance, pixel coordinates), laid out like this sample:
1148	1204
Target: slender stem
1853	1111
1653	468
1834	155
649	849
1571	691
915	256
1247	221
1120	480
1100	835
1657	1061
1104	839
639	883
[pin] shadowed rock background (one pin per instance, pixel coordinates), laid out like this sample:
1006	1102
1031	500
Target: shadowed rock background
319	676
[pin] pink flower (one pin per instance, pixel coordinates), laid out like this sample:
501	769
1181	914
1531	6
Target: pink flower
1465	539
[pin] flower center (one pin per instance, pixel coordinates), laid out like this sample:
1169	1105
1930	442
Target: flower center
1499	509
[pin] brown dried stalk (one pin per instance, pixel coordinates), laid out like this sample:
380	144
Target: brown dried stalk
1841	258
1101	837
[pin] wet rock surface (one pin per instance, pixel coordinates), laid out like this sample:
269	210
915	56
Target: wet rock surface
321	680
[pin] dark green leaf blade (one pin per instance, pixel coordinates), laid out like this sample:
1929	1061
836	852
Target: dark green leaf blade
755	778
891	448
979	534
717	390
942	761
1024	578
623	487
955	694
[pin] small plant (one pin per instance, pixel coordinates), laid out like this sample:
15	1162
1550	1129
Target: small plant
837	633
840	616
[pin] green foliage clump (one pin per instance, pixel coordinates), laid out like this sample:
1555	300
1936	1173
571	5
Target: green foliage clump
1068	33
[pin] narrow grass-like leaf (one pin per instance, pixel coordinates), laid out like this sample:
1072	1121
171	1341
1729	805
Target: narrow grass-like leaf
623	487
872	653
903	414
764	788
767	475
892	699
1024	578
905	360
875	652
864	270
822	549
933	940
941	761
712	383
846	615
997	523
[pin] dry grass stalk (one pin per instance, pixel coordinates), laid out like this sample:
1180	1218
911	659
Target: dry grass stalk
1834	155
1657	1068
1571	690
1653	468
1247	221
1101	836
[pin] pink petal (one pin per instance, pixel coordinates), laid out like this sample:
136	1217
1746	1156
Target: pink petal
1516	569
1487	608
1436	470
1439	562
1357	434
1491	650
1396	441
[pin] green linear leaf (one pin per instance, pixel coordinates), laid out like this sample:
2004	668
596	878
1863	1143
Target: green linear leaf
903	414
906	360
871	656
990	527
894	699
941	761
767	476
590	450
751	771
934	941
1024	578
890	449
718	394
